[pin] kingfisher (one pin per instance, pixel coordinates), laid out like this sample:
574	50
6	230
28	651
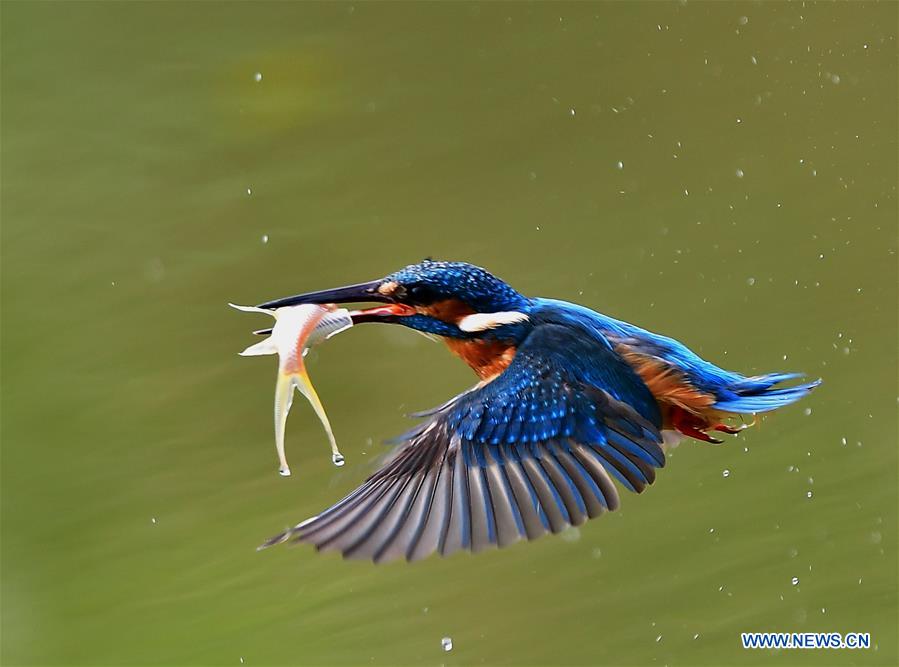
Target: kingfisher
568	402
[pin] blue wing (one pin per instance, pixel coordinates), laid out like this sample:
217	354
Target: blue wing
531	452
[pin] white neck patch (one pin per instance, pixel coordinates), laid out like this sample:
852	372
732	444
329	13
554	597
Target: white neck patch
484	321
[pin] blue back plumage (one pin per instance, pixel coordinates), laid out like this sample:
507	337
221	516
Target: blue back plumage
734	392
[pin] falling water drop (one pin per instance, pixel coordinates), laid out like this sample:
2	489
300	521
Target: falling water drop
447	644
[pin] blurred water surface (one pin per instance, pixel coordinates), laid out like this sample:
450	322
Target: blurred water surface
721	172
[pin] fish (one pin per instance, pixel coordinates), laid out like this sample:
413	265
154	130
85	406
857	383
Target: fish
296	329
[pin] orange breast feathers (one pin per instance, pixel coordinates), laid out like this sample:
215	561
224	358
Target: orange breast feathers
488	358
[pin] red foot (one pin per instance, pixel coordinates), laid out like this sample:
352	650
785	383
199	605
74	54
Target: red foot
691	425
699	435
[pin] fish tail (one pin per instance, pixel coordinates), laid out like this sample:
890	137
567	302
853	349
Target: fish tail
283	400
302	382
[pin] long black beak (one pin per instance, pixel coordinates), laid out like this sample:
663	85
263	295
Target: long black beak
349	294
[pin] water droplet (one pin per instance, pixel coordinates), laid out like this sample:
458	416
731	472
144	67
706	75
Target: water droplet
447	644
696	636
265	238
808	494
795	581
835	78
155	270
659	638
249	191
571	534
808	411
257	77
750	281
620	164
571	111
739	173
153	520
744	20
726	473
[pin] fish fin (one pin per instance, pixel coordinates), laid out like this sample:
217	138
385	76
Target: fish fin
252	309
266	346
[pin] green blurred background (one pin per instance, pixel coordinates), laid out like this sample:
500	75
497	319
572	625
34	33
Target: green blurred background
724	173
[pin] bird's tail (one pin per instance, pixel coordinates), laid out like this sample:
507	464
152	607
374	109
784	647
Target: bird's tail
761	393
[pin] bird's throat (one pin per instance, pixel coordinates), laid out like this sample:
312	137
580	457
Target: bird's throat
488	358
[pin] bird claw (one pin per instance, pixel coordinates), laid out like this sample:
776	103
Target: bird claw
700	435
694	432
730	430
695	427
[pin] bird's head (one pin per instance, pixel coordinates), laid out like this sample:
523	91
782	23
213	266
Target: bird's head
451	299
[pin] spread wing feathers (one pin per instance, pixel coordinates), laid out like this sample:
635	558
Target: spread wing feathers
531	452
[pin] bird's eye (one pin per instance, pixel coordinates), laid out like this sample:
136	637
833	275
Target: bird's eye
420	294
